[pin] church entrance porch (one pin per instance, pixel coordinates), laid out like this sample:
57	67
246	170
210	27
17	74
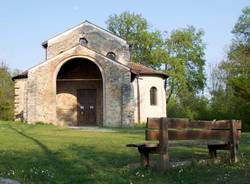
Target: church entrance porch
79	94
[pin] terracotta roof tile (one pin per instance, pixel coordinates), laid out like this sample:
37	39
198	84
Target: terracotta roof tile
145	70
21	75
136	68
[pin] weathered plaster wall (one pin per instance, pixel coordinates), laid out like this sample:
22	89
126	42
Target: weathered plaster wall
147	110
41	88
99	40
20	100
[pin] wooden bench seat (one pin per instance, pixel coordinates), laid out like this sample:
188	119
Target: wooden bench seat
171	132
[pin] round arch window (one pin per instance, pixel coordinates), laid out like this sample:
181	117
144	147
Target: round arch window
111	55
83	41
153	96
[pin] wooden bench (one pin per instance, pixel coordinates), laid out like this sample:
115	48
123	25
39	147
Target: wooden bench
217	135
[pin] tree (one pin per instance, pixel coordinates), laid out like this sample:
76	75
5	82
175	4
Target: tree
221	103
231	98
238	61
185	67
241	29
182	54
190	106
6	93
185	64
146	46
224	103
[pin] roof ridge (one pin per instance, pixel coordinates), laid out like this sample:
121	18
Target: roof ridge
105	30
72	27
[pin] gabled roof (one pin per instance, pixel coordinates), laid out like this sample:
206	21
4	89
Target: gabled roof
135	68
25	73
140	69
44	44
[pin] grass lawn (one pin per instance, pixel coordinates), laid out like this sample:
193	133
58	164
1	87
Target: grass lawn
50	154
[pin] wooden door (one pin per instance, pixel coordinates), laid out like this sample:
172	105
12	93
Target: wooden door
86	107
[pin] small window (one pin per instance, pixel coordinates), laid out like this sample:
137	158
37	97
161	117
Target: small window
83	41
111	55
153	96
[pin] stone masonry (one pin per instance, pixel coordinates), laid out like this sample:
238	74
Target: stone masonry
40	97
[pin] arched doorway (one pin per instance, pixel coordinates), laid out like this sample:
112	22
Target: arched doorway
79	93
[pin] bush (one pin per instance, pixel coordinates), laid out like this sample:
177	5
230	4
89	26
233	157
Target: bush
6	111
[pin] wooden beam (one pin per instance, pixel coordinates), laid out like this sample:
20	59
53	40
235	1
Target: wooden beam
224	135
184	123
65	80
153	122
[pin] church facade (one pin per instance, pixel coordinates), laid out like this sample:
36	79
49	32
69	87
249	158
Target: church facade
87	79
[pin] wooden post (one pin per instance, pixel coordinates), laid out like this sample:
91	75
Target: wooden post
163	140
144	159
212	151
233	141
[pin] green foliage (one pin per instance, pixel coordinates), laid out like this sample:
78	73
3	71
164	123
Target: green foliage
50	154
190	106
146	46
186	70
231	89
238	64
6	93
242	27
230	80
127	25
6	110
182	52
186	62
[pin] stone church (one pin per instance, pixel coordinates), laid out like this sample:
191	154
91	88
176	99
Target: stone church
88	79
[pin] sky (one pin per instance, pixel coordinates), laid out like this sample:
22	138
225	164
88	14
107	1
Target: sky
25	24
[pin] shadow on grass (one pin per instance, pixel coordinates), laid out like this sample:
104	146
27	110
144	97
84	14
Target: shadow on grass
98	160
43	147
72	164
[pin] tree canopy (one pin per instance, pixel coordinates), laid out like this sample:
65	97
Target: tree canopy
231	98
186	62
181	52
238	62
146	46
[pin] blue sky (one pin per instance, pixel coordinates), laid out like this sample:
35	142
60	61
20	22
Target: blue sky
25	24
